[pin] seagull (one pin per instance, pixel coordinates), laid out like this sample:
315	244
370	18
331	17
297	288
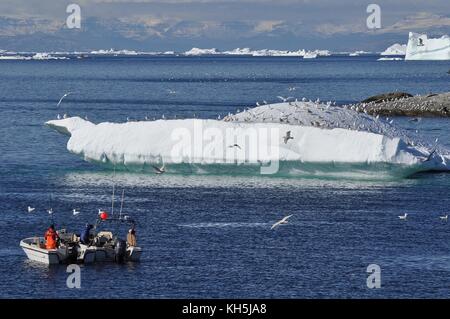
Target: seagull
403	217
159	170
50	211
444	217
31	209
284	221
75	212
234	145
285	99
429	156
62	98
287	137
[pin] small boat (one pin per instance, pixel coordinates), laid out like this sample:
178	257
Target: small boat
310	55
103	247
34	248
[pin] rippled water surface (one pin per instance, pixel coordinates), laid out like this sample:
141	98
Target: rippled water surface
208	235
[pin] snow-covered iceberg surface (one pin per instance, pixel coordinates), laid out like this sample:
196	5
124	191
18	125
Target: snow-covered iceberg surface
420	47
395	49
293	139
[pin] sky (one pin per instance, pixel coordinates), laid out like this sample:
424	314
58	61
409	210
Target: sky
158	25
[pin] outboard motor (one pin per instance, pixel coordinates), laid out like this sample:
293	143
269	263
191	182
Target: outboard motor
120	250
72	251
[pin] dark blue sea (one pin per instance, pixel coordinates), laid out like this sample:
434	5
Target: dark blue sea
209	236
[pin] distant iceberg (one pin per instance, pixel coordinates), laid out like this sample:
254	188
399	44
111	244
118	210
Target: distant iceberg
298	135
395	49
46	56
257	53
36	56
310	55
198	51
420	47
123	52
390	59
358	53
14	57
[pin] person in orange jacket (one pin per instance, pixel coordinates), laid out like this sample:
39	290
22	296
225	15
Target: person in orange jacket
51	238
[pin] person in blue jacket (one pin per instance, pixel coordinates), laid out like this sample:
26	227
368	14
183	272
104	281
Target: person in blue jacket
84	237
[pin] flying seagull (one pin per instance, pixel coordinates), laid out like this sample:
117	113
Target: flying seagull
284	221
287	137
62	98
403	217
285	99
31	209
429	156
159	170
234	145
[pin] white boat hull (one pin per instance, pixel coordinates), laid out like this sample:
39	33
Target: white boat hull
34	252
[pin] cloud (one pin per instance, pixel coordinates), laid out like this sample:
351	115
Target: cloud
420	21
267	25
330	29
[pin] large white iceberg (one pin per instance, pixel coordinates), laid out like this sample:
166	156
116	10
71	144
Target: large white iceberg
395	49
284	137
420	47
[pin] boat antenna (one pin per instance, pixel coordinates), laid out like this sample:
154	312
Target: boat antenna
112	198
121	204
52	219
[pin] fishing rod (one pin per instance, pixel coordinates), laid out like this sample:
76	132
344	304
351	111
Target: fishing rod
112	198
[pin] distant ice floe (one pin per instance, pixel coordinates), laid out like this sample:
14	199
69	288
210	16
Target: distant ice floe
420	47
390	59
358	53
303	137
262	52
36	56
395	49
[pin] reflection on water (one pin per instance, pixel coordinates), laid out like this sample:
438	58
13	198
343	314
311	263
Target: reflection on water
107	178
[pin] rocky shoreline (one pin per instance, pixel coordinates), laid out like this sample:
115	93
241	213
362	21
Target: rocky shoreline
404	104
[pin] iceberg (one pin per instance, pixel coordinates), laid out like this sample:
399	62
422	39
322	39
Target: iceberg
283	139
395	49
14	57
390	59
197	51
36	56
358	53
310	55
258	53
420	47
46	56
